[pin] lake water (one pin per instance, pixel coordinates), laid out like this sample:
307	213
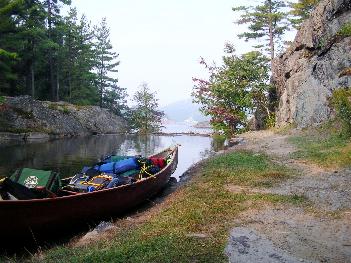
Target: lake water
68	156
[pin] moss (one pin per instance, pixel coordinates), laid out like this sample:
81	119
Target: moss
65	110
345	30
23	113
52	106
341	102
17	130
322	43
61	108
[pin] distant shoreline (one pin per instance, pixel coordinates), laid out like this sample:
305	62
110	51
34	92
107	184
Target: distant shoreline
37	136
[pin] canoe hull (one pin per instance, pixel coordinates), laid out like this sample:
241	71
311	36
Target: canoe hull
35	218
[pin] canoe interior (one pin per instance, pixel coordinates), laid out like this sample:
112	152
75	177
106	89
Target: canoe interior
41	217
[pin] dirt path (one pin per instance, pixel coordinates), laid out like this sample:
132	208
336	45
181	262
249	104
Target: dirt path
320	232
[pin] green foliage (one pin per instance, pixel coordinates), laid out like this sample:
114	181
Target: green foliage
106	59
266	22
270	121
300	11
9	11
345	30
115	100
341	102
322	42
78	61
55	57
145	116
233	90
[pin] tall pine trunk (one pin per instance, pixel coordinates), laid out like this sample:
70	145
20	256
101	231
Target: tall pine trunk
271	36
101	80
69	85
32	80
51	62
70	66
272	93
57	97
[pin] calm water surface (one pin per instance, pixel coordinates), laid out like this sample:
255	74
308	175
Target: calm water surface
68	156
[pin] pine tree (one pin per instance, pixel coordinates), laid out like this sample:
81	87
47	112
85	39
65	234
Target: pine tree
85	90
9	16
115	100
300	11
51	57
53	18
33	35
266	22
70	50
105	59
146	117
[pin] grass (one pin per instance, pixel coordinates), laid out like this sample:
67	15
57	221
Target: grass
205	205
61	108
345	30
2	100
325	147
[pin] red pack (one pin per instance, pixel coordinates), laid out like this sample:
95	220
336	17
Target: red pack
160	162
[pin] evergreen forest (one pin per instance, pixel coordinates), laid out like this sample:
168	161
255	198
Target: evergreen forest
53	54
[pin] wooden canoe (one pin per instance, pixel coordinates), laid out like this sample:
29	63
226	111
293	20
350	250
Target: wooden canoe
39	217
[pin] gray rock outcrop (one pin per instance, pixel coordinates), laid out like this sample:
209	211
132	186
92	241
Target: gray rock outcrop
24	115
318	62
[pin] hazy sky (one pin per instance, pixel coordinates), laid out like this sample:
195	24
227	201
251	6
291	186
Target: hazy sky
160	41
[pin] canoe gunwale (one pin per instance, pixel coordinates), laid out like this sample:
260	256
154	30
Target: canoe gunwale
142	181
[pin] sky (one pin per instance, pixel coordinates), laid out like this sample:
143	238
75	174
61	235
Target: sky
160	42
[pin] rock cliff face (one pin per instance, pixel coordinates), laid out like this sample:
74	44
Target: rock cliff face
23	114
318	62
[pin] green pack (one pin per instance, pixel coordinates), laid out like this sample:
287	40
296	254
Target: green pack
33	178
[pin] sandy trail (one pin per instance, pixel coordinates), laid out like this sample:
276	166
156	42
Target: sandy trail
320	232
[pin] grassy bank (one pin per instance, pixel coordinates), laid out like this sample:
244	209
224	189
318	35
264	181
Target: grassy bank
192	225
324	146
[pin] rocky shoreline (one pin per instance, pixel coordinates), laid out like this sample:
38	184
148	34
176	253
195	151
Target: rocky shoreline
23	118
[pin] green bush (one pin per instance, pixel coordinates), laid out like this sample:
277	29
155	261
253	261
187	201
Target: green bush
341	102
345	30
2	100
65	110
270	121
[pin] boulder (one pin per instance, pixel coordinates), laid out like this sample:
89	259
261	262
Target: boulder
36	119
313	66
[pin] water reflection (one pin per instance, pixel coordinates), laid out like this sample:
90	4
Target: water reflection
68	156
